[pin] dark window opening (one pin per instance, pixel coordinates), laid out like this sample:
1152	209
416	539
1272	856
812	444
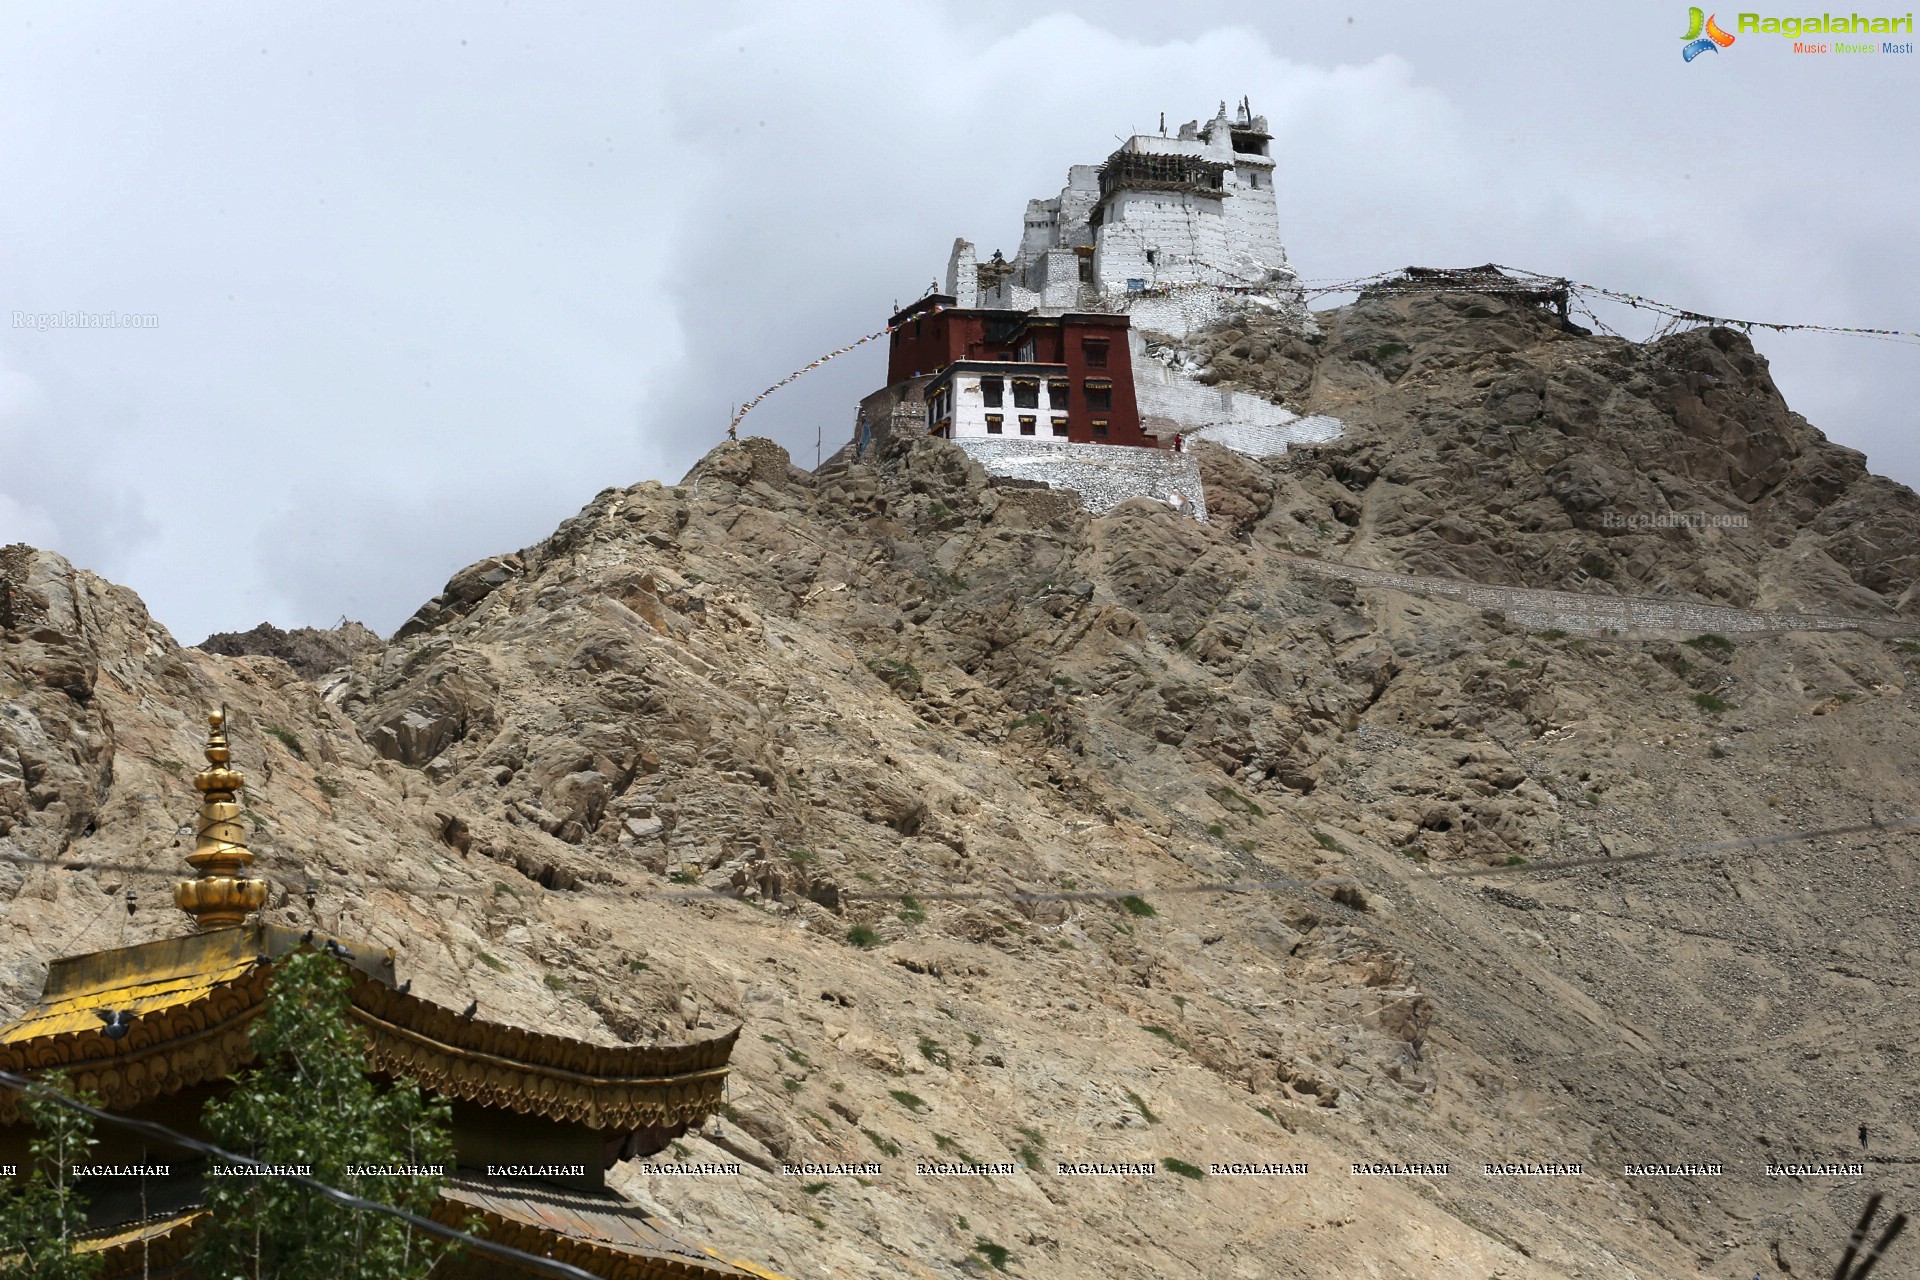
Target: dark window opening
1153	257
993	424
1056	394
1026	393
1059	426
990	391
1099	395
1086	268
1027	424
1095	350
1100	426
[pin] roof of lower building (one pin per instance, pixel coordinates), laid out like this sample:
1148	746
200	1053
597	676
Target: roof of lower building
189	1003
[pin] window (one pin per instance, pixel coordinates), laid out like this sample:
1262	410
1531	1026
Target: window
1095	351
1026	353
990	390
993	423
1153	257
1099	395
1059	426
1100	426
1056	393
1026	424
1086	268
1026	393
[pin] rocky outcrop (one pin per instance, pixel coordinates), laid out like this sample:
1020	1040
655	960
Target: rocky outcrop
308	650
1489	442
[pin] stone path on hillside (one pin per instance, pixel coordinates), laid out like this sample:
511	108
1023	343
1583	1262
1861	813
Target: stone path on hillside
1592	614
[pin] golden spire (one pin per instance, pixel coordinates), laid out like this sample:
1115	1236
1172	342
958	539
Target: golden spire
217	897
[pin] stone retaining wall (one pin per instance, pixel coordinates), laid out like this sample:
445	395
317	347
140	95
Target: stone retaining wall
1104	475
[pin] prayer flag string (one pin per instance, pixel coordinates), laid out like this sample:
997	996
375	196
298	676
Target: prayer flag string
1400	282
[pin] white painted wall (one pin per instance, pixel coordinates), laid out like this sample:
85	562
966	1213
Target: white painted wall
1171	401
970	410
1103	475
1233	241
963	280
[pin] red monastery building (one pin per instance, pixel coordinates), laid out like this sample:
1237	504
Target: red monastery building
966	373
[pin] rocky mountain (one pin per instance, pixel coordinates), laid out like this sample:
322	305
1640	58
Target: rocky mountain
311	651
1015	834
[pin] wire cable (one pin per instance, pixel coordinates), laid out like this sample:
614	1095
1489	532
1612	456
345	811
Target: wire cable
172	1138
1400	283
947	893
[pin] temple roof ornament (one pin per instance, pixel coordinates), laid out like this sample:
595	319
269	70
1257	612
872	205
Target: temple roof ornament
218	896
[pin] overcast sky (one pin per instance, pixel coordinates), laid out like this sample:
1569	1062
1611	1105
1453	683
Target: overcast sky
428	277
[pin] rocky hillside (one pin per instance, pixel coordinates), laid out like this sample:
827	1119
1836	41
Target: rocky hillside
310	651
916	724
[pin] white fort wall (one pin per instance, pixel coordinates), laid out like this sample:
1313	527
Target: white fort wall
1172	402
1104	475
1148	237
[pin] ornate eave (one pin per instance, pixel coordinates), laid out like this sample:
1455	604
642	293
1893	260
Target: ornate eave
604	1235
192	1000
157	1249
605	1087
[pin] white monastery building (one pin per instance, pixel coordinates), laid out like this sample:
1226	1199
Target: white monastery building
1174	231
1037	367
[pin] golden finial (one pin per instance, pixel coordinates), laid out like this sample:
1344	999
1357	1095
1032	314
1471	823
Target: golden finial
217	897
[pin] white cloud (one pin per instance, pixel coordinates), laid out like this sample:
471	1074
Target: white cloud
22	523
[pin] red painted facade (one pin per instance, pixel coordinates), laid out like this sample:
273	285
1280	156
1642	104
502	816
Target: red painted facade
933	335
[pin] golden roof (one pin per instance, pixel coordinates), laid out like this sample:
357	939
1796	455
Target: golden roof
604	1234
189	1003
156	1249
601	1234
142	1022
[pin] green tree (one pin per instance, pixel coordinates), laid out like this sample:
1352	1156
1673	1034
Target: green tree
41	1214
308	1102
